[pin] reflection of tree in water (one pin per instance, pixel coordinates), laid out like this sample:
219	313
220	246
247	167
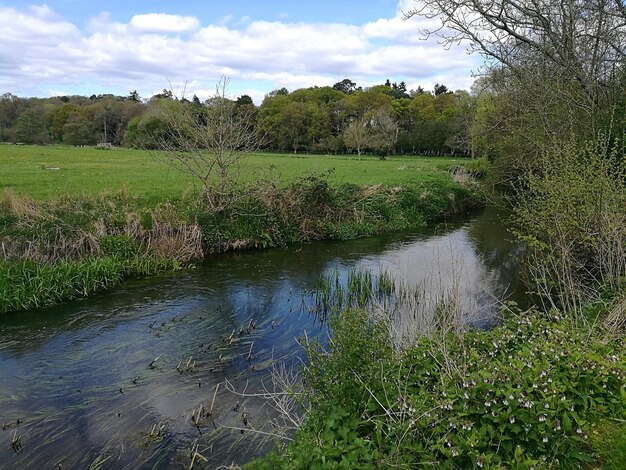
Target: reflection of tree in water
491	238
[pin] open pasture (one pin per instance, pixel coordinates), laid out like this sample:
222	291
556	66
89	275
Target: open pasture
52	171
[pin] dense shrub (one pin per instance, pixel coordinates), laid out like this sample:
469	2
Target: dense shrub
120	246
571	214
312	209
528	393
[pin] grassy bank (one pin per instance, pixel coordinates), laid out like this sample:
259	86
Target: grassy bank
539	391
63	248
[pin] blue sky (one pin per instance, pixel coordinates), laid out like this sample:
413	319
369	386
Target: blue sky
345	11
85	47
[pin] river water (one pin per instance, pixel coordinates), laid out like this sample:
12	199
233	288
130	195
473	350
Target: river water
117	380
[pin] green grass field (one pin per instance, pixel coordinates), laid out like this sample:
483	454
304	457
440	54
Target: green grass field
26	170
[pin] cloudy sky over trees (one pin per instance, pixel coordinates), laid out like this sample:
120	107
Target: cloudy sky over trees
73	47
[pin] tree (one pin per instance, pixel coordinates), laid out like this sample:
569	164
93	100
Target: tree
244	100
164	95
208	147
77	129
383	132
356	135
440	89
346	86
11	107
134	96
57	118
578	46
30	127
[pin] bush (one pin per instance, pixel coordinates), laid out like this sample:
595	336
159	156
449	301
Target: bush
119	246
525	394
571	213
479	168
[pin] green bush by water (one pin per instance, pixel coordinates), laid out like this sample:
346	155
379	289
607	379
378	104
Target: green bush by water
531	393
312	209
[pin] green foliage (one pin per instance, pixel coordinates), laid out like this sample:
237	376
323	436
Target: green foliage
312	208
25	285
572	215
528	393
119	246
30	127
608	439
478	168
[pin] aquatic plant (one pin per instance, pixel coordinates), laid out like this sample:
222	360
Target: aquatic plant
25	285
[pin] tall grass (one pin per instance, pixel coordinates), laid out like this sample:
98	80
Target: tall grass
26	285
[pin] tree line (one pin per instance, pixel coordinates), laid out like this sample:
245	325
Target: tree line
383	119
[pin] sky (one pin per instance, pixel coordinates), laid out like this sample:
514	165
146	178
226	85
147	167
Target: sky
69	47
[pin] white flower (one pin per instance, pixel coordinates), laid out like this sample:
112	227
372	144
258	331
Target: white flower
545	438
512	419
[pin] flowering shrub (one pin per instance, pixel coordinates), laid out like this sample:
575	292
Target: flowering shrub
523	395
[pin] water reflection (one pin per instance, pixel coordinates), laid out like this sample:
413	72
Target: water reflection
79	378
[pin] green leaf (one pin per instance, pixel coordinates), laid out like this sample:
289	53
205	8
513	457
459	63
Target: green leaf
567	423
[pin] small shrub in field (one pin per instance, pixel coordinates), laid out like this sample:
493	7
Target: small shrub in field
525	394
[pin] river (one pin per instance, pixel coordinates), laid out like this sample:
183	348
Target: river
117	380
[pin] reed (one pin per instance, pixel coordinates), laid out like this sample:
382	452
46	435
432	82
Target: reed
25	284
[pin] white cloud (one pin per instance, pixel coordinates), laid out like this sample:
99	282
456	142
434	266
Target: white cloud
40	51
162	23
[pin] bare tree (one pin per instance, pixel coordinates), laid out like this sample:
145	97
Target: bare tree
383	132
356	135
208	142
586	38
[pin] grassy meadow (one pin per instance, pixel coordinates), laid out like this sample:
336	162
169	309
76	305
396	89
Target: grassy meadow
26	171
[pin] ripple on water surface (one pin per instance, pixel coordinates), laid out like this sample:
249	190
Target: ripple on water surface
120	379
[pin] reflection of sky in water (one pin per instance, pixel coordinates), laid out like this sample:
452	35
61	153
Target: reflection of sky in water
441	268
67	372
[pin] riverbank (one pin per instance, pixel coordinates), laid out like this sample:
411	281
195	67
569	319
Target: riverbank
539	391
57	250
107	342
